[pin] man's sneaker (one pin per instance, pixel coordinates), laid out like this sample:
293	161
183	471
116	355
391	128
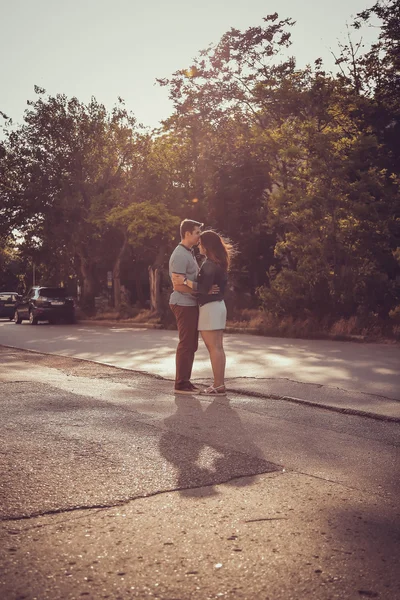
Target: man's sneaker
185	389
195	388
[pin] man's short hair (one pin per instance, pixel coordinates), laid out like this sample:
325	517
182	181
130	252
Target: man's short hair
188	225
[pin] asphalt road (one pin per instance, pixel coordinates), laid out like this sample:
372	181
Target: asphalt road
364	368
111	487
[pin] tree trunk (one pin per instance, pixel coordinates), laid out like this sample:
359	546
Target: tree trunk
155	289
155	282
116	275
117	292
334	247
138	283
89	287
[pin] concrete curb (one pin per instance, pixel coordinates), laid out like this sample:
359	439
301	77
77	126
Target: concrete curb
240	392
339	409
87	360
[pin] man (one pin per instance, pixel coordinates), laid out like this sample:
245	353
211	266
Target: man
184	305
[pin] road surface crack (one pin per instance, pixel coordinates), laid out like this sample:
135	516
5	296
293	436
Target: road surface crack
124	502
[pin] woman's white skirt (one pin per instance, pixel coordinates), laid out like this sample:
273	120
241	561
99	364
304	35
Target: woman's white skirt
212	316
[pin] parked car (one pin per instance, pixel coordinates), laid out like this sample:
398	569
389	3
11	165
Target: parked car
45	304
8	302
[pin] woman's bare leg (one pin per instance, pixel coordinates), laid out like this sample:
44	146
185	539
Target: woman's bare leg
215	346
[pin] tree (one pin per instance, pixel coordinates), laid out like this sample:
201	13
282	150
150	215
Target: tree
325	193
61	162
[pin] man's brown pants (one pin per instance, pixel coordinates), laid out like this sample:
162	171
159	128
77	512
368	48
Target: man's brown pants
187	318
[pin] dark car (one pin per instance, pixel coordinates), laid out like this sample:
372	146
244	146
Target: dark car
45	304
8	301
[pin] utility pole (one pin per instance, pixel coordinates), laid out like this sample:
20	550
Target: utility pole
33	275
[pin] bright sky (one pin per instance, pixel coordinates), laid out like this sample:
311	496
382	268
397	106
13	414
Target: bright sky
111	48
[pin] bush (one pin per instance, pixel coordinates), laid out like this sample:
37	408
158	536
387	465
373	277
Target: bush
310	326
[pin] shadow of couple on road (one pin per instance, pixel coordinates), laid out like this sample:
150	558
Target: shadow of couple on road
210	446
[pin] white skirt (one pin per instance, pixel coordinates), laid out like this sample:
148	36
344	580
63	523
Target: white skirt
212	316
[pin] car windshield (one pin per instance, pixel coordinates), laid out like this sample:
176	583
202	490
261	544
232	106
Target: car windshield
53	292
7	297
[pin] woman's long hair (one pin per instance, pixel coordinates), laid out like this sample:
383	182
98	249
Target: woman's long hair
220	250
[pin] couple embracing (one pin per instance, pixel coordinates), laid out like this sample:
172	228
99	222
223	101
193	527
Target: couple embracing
198	304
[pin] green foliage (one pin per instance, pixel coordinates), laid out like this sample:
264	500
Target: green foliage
11	267
144	221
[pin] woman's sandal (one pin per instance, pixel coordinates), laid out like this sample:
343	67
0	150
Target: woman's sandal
213	391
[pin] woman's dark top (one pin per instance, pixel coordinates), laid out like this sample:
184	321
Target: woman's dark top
210	273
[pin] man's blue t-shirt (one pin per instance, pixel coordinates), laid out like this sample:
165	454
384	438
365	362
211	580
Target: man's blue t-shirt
182	261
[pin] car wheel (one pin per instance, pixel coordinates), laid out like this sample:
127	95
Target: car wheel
17	318
32	320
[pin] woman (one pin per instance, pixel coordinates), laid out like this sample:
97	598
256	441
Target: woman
212	309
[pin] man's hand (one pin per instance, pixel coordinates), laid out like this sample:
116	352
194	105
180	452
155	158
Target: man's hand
183	289
177	279
178	285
